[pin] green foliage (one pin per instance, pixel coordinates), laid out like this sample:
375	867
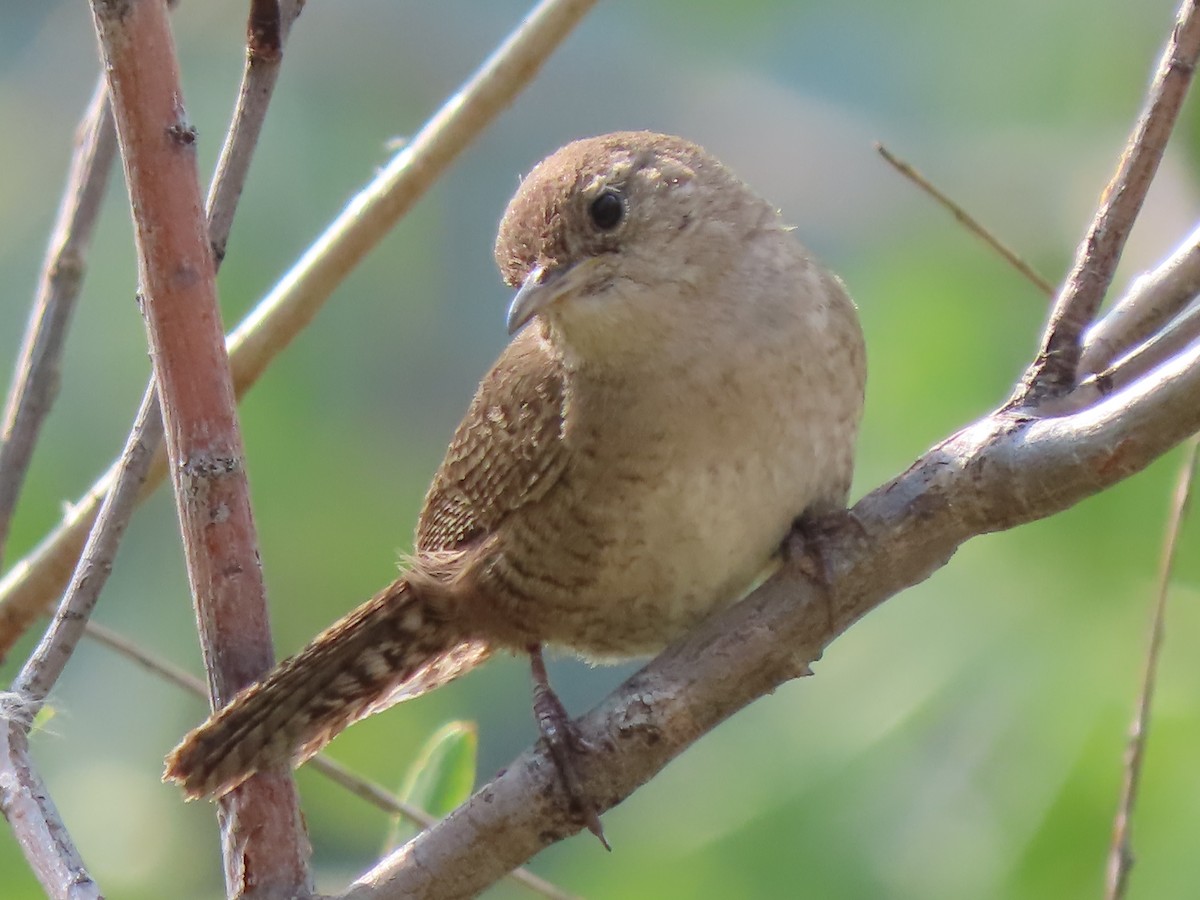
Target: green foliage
440	778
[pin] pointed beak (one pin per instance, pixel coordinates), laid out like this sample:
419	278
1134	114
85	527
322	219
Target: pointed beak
536	293
542	288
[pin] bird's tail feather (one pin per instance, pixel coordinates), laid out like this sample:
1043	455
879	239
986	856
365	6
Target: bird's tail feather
393	647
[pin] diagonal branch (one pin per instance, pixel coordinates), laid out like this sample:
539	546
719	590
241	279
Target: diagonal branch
965	219
267	30
36	379
1002	471
1053	372
333	770
1152	301
35	821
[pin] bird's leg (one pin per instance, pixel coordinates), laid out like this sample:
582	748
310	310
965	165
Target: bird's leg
563	741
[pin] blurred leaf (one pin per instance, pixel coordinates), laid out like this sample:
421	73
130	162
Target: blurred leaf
43	717
440	778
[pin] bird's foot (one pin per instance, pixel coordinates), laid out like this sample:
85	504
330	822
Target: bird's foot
809	544
809	548
564	742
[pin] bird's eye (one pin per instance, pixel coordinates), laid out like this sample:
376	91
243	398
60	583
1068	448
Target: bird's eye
607	210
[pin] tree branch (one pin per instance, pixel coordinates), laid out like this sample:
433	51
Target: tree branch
1152	301
266	848
326	765
1120	854
1002	471
1053	372
35	821
35	381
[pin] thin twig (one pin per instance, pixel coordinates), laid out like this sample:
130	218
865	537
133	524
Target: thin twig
30	586
1151	301
269	25
115	505
380	797
265	846
266	29
24	798
1164	345
67	542
361	787
36	378
47	662
371	215
35	821
1053	372
965	219
1121	857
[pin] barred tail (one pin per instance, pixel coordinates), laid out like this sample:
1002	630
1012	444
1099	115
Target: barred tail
389	649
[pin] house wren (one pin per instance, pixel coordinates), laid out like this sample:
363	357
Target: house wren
685	381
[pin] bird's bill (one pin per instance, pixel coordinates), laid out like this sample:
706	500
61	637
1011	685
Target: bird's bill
542	288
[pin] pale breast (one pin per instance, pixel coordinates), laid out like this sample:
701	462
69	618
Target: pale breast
681	479
681	491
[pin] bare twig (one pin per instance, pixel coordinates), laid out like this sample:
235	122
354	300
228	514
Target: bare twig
1053	372
36	379
387	801
265	29
371	215
148	469
269	25
39	829
30	586
1178	333
366	790
266	849
1121	857
1152	300
130	472
46	663
968	221
24	798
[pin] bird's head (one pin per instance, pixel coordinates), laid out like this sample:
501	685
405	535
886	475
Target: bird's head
608	239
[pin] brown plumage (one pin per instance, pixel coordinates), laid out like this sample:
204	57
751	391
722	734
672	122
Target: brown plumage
690	382
410	637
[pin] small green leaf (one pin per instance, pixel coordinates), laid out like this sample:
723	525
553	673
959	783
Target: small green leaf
43	717
440	778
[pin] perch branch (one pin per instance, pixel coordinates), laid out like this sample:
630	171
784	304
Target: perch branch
333	770
1002	471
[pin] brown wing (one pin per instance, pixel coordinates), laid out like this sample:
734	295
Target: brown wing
507	451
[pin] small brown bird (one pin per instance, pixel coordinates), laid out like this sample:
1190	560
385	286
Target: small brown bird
684	382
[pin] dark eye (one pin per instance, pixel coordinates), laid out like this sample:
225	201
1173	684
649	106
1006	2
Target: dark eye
607	210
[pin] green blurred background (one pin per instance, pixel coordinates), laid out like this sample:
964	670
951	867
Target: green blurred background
963	741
